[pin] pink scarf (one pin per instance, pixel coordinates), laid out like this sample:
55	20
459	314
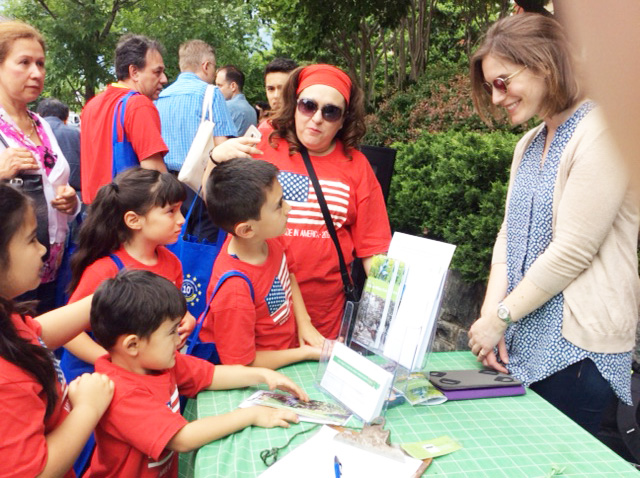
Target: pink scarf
43	153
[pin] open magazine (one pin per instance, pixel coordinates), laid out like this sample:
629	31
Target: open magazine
314	411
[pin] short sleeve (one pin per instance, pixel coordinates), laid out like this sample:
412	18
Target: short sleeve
192	374
92	277
232	319
142	123
371	231
132	414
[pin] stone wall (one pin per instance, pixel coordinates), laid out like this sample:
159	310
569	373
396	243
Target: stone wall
460	307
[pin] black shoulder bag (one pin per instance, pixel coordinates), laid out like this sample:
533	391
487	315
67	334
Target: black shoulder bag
351	306
32	186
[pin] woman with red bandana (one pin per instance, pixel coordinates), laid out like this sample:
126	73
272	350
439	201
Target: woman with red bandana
323	112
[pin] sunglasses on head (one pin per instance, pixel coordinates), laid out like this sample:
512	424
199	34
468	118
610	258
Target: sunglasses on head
501	84
330	113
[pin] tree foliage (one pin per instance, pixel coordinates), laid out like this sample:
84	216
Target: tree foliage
385	44
81	36
349	33
80	40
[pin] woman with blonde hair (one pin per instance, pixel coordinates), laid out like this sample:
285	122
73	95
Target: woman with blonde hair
30	157
562	298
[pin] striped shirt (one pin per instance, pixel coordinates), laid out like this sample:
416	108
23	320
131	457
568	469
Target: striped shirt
180	108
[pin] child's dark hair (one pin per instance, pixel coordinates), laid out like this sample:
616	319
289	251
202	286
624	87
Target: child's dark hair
104	230
34	359
237	190
134	302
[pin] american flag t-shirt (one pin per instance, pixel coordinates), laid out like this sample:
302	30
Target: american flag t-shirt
279	297
305	210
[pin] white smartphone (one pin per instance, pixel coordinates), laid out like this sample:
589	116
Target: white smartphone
253	132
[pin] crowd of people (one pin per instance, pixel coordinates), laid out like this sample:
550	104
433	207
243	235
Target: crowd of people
562	299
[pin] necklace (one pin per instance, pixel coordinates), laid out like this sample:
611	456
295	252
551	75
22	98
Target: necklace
33	127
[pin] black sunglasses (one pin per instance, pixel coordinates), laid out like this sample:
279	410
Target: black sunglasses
330	113
501	84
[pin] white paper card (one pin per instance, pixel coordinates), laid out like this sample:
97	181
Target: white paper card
410	331
356	382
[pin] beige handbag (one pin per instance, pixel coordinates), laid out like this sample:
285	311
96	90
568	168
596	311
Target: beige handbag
195	163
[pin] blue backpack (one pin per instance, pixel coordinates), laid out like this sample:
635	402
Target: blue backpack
208	350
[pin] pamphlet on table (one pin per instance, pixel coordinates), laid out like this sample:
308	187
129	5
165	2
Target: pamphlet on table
314	411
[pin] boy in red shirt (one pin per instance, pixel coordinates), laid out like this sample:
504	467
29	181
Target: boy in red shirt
273	328
135	316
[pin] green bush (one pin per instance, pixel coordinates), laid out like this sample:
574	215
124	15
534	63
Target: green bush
451	187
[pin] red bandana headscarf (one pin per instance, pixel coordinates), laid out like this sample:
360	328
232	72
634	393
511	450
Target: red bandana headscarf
328	75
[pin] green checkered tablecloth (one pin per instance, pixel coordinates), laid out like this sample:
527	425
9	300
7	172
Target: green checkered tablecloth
508	437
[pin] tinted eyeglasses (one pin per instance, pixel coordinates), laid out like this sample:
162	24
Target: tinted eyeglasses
501	84
330	113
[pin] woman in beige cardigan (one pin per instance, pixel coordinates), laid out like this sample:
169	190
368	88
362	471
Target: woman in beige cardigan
561	306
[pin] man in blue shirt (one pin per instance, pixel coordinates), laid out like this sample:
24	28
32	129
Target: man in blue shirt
180	104
230	82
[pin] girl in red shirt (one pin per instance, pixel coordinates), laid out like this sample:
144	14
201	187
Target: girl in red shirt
128	224
44	423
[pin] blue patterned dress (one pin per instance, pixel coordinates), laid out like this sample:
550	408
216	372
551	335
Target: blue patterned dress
535	343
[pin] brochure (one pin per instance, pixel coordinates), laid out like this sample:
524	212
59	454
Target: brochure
314	411
418	390
379	302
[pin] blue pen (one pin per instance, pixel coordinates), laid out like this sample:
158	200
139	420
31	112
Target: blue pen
337	466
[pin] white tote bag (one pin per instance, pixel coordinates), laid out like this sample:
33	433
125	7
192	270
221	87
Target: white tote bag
194	164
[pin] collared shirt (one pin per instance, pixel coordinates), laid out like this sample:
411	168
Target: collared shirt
242	113
180	108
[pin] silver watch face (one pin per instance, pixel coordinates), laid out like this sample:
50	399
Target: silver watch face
503	312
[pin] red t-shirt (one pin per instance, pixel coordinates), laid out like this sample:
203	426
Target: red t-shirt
356	203
23	448
144	415
240	326
141	124
168	266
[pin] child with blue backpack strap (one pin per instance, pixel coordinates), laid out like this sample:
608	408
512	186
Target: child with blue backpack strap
257	315
136	316
128	225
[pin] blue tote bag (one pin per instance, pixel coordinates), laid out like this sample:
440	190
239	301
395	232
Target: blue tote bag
208	350
122	154
197	257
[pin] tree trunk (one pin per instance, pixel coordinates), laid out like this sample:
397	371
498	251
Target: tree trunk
402	54
385	49
427	32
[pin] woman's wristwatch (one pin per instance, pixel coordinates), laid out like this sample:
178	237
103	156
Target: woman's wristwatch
504	313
